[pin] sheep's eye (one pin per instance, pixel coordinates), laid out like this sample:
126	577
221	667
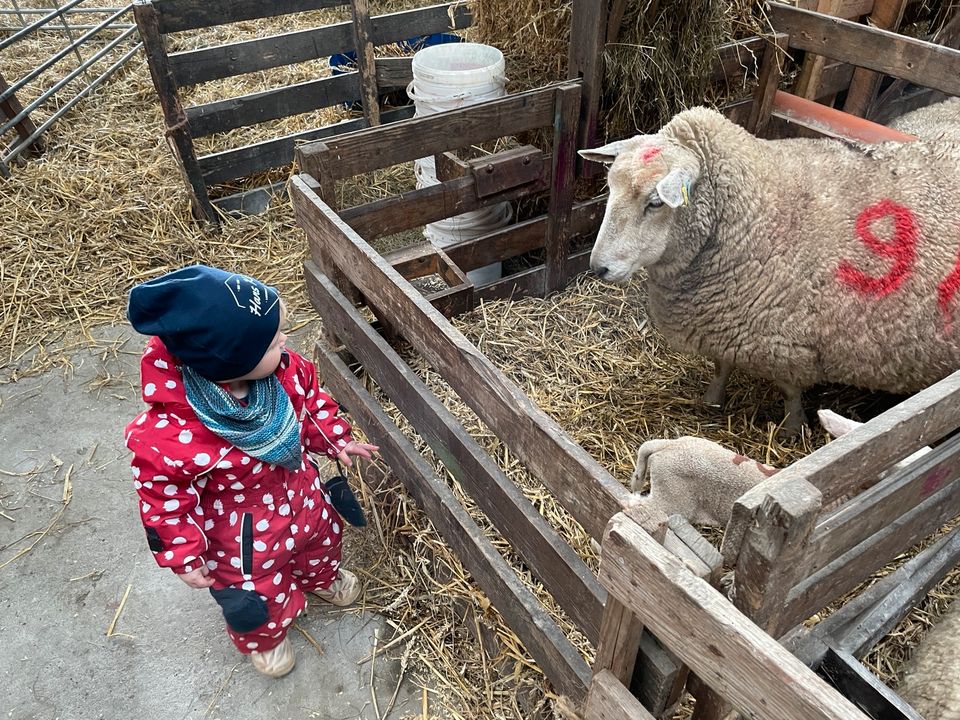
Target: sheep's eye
654	202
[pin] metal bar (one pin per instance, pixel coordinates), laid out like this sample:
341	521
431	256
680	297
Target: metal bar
66	79
52	60
73	41
73	101
39	23
85	27
16	9
42	11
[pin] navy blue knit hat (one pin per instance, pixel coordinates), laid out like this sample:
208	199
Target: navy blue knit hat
219	323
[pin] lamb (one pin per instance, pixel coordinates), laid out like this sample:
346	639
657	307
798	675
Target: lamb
695	477
802	261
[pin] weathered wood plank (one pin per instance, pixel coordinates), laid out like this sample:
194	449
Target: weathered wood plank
223	115
365	61
856	682
529	283
658	677
918	575
550	559
773	552
883	51
179	15
257	157
854	566
872	510
221	61
562	176
178	133
608	699
886	15
524	614
375	148
727	651
585	63
590	494
767	82
10	108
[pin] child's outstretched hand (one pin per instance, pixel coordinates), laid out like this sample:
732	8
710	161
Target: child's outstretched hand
355	448
198	578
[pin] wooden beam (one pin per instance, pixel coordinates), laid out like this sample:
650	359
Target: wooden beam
585	63
178	132
562	177
376	148
883	51
608	699
180	15
853	567
886	15
529	282
727	651
243	110
257	157
366	63
580	484
767	82
856	682
559	660
221	61
562	572
10	108
872	510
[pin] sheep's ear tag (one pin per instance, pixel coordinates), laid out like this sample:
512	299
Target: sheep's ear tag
674	189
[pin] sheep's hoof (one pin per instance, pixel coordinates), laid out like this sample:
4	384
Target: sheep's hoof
792	428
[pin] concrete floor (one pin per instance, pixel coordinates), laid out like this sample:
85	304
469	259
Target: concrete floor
168	656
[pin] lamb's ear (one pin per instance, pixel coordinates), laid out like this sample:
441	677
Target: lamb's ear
605	154
675	188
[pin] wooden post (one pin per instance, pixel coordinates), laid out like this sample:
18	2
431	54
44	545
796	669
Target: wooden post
585	62
808	83
886	15
11	107
771	560
365	61
178	130
768	78
562	178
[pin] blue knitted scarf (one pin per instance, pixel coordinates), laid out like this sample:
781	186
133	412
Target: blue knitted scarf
266	427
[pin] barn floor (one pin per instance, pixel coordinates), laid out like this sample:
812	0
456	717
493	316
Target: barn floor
92	628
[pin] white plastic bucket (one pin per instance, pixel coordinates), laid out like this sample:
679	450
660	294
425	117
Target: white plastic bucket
448	77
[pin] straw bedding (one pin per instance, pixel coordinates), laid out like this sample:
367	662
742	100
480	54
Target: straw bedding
105	208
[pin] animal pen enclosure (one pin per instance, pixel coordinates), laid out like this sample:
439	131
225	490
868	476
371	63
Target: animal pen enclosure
795	543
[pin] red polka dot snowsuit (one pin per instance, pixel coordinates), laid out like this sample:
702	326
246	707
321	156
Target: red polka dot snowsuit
256	526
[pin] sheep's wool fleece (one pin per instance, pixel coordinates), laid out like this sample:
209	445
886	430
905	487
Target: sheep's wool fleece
931	683
813	261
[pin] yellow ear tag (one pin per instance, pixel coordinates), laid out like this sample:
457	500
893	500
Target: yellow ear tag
686	195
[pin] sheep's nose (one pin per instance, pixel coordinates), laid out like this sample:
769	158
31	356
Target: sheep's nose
601	271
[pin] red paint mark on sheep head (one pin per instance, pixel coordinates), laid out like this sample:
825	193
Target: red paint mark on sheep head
934	481
649	153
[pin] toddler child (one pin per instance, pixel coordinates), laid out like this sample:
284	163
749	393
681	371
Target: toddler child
229	496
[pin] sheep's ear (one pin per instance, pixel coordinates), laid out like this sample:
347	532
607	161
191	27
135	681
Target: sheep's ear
605	154
675	188
835	424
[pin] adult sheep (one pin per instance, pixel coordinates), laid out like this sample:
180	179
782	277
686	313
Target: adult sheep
940	121
803	261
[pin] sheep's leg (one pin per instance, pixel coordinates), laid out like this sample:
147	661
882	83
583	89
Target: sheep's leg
716	393
794	416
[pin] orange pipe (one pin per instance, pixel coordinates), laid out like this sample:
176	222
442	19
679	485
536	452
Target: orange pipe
835	122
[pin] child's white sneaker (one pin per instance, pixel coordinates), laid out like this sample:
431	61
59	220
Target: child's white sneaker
342	591
276	662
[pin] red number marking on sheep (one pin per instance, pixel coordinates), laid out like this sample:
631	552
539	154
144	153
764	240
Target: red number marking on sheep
945	291
901	248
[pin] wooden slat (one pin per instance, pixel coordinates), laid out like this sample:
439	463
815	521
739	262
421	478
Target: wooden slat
366	63
738	59
562	176
845	8
854	566
856	682
429	204
887	52
257	157
529	283
608	699
727	651
886	15
585	63
550	559
272	104
10	108
178	133
221	61
590	494
411	139
179	15
558	659
874	509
